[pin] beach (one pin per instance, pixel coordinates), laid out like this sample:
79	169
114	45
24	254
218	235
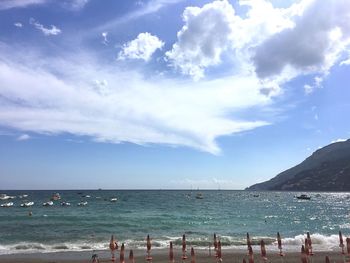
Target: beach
161	256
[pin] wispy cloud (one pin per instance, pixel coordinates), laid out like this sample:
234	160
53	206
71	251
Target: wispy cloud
8	4
18	24
64	98
46	31
23	137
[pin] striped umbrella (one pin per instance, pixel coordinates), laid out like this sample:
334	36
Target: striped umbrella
348	245
171	252
263	250
303	255
309	243
149	246
219	252
193	258
341	242
121	256
184	247
131	256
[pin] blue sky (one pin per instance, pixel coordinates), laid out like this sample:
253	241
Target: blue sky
168	93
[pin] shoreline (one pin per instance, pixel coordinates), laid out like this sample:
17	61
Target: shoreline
161	256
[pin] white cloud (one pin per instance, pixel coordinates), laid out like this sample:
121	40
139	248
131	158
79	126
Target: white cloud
75	5
104	38
204	37
52	96
23	137
46	31
18	24
142	47
8	4
339	140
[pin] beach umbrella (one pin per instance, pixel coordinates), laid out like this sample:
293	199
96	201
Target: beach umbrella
171	252
131	256
193	258
307	251
341	242
215	244
149	246
348	245
219	252
327	260
184	247
121	256
309	243
303	255
263	250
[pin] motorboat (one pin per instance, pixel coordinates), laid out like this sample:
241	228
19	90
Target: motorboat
27	204
303	197
23	196
82	203
113	199
6	197
199	196
55	197
65	204
9	204
49	203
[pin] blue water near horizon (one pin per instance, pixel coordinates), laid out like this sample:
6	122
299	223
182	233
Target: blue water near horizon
166	215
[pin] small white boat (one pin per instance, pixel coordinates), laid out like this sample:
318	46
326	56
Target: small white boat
114	200
65	204
49	203
9	204
82	203
27	204
199	196
55	197
23	196
6	197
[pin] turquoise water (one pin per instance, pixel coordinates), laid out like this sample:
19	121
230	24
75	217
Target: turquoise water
166	215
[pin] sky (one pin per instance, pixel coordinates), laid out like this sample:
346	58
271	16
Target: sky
168	94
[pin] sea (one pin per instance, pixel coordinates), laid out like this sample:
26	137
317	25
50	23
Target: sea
166	215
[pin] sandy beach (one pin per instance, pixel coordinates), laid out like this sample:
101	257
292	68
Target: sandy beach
161	256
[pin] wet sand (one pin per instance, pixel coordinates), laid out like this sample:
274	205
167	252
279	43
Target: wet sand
161	256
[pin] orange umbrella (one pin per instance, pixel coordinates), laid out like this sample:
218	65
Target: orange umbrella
131	256
193	258
171	252
121	256
149	245
309	243
307	250
263	250
184	247
303	255
341	242
215	245
219	251
327	260
348	244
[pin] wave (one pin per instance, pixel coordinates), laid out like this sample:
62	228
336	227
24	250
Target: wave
290	244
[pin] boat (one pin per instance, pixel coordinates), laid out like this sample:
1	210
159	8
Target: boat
303	197
6	197
82	203
55	197
199	196
65	204
27	204
23	196
9	204
113	199
86	196
49	203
